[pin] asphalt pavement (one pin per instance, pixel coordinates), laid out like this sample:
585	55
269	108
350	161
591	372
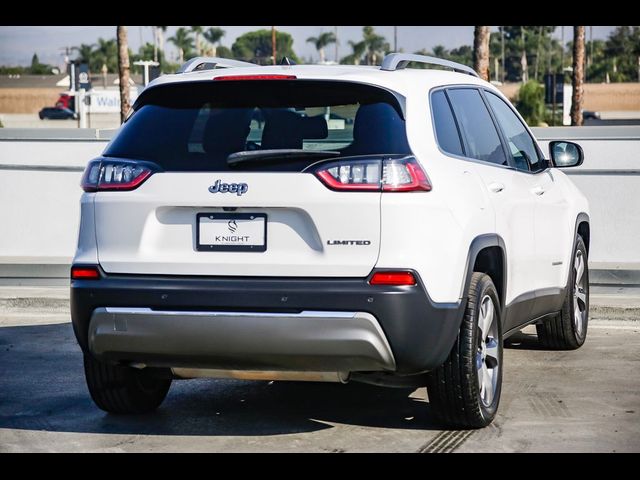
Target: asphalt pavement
583	400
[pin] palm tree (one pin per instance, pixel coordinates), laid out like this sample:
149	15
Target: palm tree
321	41
197	30
481	37
183	42
213	36
106	53
358	50
577	76
440	52
376	45
123	71
85	52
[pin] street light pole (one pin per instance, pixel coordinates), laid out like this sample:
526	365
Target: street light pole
273	44
395	38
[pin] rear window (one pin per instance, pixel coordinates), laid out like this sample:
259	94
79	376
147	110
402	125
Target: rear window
197	126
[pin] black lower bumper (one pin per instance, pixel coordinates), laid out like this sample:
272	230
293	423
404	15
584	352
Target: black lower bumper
420	332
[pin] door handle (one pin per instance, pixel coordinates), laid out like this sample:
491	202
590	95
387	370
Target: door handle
538	190
496	187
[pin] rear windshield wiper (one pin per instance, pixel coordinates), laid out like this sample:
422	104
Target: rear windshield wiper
277	155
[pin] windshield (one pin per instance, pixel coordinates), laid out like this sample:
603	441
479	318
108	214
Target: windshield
197	126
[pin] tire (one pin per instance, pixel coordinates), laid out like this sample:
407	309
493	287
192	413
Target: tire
568	329
455	394
118	389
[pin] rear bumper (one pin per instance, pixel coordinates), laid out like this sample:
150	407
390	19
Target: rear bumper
306	341
219	322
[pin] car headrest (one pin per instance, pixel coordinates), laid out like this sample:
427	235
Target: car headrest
287	129
227	130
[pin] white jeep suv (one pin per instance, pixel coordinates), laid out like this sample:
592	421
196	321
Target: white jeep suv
325	223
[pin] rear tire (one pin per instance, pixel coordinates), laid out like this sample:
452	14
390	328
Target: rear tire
568	329
118	389
465	390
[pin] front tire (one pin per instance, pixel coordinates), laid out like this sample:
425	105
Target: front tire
465	390
119	389
568	329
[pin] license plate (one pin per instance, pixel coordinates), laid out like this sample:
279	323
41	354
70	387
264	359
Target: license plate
231	232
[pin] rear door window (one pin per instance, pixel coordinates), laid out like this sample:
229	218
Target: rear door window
481	139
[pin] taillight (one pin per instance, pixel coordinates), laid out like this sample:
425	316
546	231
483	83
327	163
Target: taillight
374	175
393	278
85	273
106	174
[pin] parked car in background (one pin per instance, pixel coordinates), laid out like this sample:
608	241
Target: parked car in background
57	113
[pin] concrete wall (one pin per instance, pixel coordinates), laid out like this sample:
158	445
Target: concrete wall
610	179
40	172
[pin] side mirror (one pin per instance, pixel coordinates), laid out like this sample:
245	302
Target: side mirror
566	154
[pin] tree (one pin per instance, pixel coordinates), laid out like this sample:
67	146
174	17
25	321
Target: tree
123	72
213	36
256	47
440	52
577	76
146	52
85	52
321	41
197	30
224	52
38	68
376	45
372	46
183	42
623	50
481	36
357	50
522	53
530	102
106	54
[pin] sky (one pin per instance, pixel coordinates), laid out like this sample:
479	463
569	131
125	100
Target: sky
19	43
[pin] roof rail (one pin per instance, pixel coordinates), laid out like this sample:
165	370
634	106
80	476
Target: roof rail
398	61
207	63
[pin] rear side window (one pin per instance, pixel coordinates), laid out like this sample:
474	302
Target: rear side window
446	129
196	126
481	138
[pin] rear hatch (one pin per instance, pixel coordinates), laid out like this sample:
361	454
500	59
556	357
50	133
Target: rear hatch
252	177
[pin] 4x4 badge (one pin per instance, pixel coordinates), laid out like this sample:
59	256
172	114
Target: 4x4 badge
237	188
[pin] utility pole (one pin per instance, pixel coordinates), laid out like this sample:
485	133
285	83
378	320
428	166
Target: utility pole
335	33
590	45
395	38
535	74
562	50
273	44
523	59
502	48
155	44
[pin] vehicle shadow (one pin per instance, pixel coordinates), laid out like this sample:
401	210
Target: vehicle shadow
523	341
42	388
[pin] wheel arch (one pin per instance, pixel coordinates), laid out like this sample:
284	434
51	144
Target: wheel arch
487	254
583	229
